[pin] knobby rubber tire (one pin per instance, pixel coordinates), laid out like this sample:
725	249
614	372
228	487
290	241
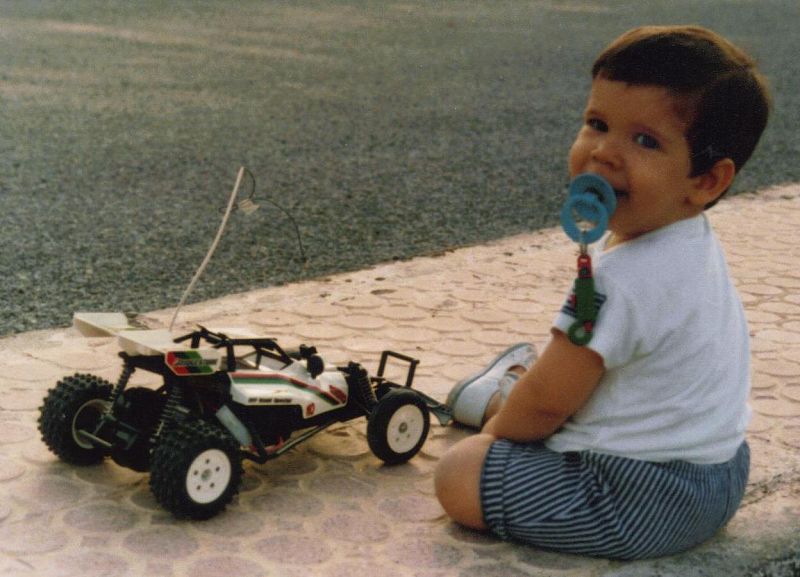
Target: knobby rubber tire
75	402
175	456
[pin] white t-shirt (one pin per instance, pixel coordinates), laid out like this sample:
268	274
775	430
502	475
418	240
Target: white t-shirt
675	344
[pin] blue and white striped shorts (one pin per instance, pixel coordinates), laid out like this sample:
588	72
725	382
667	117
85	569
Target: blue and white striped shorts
607	506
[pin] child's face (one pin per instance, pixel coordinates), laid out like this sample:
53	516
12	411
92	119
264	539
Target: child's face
633	137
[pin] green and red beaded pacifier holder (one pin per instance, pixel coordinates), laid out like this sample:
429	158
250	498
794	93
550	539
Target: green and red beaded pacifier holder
584	217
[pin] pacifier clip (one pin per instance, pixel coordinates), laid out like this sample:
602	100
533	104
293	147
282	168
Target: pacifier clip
584	218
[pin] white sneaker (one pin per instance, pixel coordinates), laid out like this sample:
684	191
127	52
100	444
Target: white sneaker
470	397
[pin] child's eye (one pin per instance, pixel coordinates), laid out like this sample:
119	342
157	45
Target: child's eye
597	124
646	141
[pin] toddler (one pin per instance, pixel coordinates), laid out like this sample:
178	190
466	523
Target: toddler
632	446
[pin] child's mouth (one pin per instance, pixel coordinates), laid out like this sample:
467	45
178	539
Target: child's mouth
620	193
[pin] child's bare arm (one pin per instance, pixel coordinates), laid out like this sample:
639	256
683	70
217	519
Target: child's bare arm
558	384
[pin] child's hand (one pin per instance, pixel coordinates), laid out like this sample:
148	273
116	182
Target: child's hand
555	387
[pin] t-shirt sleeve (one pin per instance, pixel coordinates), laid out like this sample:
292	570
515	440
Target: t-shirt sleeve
615	336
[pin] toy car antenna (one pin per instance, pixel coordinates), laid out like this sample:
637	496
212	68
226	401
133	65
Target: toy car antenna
213	247
247	206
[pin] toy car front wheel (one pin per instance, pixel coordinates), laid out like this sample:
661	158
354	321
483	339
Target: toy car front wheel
398	426
74	405
196	470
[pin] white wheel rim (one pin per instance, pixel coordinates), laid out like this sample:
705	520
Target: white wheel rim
97	405
405	428
208	476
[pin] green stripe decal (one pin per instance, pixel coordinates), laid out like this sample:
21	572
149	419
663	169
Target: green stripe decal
261	379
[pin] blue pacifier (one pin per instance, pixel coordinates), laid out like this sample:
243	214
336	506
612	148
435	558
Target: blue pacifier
591	199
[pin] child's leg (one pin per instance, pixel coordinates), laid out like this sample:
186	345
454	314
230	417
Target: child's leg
458	480
458	474
588	503
471	396
505	386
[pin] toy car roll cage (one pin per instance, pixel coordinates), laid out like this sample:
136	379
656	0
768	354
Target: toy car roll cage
266	347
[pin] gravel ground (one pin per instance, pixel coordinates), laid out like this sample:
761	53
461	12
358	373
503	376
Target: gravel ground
387	130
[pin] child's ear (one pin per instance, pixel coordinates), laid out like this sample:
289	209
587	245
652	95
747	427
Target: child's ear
710	185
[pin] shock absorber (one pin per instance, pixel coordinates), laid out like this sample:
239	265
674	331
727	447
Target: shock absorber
358	381
173	411
122	381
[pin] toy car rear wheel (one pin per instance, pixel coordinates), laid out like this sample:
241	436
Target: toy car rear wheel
398	426
75	404
196	470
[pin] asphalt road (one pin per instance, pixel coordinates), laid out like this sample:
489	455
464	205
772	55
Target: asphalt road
386	129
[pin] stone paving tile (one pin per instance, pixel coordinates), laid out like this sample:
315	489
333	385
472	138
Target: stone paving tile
329	508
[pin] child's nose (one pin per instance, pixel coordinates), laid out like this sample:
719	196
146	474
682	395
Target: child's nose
607	152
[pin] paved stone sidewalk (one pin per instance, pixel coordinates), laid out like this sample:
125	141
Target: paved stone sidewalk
329	508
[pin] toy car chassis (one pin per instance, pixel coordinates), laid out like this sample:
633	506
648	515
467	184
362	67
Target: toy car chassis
222	400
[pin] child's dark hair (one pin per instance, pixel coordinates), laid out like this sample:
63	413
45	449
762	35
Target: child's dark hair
720	92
